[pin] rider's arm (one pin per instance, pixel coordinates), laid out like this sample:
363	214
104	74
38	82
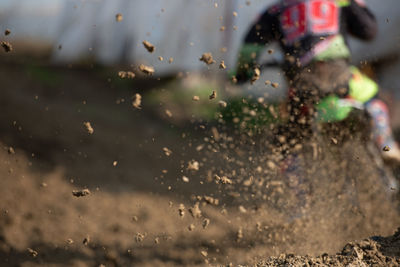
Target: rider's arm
260	34
359	19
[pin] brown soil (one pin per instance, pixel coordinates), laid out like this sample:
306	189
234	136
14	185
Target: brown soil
375	251
140	210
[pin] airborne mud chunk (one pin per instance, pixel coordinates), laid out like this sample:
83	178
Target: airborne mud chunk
86	241
334	140
206	222
213	95
139	237
32	252
168	113
256	75
150	47
118	17
193	165
223	180
167	151
222	104
239	235
80	193
149	70
7	32
275	85
181	210
137	101
6	46
11	150
195	211
211	200
126	74
88	127
207	58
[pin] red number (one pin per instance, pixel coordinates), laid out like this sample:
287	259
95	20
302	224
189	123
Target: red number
324	17
314	17
294	22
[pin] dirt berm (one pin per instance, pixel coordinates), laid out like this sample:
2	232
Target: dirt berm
374	251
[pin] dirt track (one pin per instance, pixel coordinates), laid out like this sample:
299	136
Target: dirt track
131	216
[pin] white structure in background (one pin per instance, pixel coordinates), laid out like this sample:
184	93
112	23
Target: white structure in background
180	29
33	20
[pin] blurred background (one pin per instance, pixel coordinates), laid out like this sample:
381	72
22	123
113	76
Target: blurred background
63	72
71	31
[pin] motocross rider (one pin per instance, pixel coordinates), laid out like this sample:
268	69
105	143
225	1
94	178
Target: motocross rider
312	35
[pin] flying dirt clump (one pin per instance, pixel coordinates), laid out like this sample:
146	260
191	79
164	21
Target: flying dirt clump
181	210
126	74
32	252
81	193
193	165
86	241
195	211
256	75
137	101
210	200
207	58
213	95
222	180
88	127
11	150
139	237
150	47
239	235
167	151
222	104
118	17
168	113
6	46
275	85
7	32
191	227
206	223
149	70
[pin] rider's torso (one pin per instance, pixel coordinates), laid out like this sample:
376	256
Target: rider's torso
310	28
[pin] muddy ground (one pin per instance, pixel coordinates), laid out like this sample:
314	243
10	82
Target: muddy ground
133	216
